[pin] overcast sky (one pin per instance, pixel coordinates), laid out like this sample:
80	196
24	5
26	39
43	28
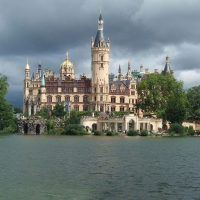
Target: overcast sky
140	31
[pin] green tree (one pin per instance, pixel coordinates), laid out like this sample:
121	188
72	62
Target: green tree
72	119
155	90
44	112
59	111
193	96
176	111
17	110
6	110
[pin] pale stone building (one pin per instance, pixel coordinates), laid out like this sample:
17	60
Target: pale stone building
103	91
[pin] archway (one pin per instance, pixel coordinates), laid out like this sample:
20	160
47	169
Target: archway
37	129
25	129
131	124
94	127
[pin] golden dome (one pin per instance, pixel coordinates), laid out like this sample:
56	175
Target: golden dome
66	64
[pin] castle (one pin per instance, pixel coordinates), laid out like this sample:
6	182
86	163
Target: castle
100	92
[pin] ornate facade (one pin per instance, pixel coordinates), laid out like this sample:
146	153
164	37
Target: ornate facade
100	92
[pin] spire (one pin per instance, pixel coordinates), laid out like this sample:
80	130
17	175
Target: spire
167	68
129	65
99	37
27	65
119	70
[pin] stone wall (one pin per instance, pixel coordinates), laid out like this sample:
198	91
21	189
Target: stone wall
31	125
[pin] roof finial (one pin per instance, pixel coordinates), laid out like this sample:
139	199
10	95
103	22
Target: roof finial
27	60
100	9
66	55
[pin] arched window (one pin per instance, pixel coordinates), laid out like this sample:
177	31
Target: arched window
67	98
85	99
49	99
58	99
121	99
76	99
76	107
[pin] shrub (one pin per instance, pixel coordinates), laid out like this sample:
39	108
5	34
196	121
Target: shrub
197	132
74	129
144	133
111	133
98	133
132	132
191	130
7	130
177	129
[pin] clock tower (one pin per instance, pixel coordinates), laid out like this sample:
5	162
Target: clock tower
100	69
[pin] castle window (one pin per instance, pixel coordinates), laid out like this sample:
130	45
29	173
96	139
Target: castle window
101	98
101	89
58	99
49	107
112	108
112	99
101	58
132	92
101	64
121	108
49	99
67	98
30	91
101	108
76	108
76	99
85	108
121	99
85	99
132	86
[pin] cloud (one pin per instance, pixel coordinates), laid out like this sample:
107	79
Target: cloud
142	32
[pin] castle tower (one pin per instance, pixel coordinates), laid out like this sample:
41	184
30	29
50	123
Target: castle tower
26	87
100	68
43	90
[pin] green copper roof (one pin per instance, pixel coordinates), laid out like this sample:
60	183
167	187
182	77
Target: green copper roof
135	74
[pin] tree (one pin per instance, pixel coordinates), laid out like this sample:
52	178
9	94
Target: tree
44	112
17	110
59	111
176	111
6	110
72	119
154	92
193	96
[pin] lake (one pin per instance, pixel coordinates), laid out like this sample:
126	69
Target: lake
39	167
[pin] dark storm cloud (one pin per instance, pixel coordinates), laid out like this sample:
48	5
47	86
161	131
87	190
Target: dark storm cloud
140	31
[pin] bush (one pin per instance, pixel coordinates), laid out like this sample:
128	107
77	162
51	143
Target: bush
197	132
98	133
144	133
74	129
7	130
132	132
176	129
191	130
111	133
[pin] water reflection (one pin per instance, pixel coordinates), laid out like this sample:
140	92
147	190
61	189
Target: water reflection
64	167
